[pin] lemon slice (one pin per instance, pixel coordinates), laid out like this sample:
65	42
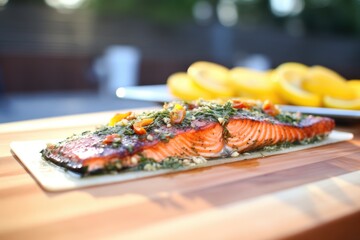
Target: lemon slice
254	84
331	102
288	78
295	95
273	97
212	77
251	81
323	81
355	85
296	69
182	86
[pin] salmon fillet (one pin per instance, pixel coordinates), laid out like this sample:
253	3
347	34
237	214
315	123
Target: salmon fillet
182	130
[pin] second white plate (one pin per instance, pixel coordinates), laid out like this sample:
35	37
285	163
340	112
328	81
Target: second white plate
160	93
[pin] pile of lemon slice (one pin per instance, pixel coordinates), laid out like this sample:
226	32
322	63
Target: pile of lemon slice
289	83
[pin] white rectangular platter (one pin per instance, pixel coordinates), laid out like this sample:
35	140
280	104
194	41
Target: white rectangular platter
53	178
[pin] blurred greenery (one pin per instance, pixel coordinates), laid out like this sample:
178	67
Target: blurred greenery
158	10
334	16
338	16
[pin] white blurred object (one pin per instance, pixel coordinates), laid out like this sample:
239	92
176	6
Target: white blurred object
283	8
202	11
3	2
118	67
227	12
254	61
65	4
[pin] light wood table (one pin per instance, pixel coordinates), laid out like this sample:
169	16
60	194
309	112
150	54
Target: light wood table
311	194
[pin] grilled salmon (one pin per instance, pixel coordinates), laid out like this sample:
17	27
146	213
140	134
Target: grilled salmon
181	133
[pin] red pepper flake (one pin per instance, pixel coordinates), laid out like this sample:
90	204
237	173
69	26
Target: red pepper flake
139	126
191	106
271	109
109	139
240	104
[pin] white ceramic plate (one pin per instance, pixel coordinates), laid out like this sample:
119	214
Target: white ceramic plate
53	178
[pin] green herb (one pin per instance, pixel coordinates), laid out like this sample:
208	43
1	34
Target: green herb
149	164
172	163
285	145
214	111
289	117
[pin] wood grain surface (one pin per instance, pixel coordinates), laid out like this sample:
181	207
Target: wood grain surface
311	194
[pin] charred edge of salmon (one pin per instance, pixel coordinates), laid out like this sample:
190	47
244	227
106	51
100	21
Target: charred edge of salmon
119	159
66	164
110	159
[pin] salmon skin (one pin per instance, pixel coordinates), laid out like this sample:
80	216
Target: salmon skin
183	134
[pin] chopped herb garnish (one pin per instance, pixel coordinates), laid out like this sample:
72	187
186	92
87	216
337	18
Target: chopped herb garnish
128	134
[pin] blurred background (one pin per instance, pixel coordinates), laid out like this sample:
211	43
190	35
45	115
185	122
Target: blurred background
60	57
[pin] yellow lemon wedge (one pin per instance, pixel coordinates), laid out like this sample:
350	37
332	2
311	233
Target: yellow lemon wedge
182	86
254	84
331	102
323	81
295	68
295	95
288	78
250	81
212	77
273	97
355	85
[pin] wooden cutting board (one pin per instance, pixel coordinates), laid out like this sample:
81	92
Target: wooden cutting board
310	193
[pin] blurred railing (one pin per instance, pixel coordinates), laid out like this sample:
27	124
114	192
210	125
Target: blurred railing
42	49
